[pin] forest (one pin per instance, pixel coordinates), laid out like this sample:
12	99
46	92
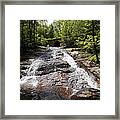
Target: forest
60	60
82	34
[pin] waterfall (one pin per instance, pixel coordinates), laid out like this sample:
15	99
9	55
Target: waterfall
57	53
78	71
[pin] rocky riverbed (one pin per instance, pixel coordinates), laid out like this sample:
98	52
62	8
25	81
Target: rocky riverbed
54	75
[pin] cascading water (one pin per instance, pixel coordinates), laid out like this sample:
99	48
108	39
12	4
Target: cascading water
31	77
80	73
56	66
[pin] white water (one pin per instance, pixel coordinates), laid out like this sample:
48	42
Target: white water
56	53
78	71
29	79
34	66
69	60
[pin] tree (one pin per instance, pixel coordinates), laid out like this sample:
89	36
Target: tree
84	34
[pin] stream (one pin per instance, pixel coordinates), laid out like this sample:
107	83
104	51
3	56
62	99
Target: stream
55	75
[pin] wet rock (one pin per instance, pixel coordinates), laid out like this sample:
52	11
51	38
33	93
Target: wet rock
62	64
24	67
63	81
64	92
57	80
55	76
49	95
86	94
47	92
52	66
23	73
26	92
27	62
58	84
66	70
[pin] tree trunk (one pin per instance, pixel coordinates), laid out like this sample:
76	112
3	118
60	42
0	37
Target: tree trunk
34	32
30	32
94	42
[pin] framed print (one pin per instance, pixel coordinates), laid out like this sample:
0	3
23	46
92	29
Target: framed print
60	59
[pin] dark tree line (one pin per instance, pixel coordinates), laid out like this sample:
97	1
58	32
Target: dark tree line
83	34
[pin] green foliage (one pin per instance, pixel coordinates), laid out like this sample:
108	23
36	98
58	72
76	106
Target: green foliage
84	34
92	58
